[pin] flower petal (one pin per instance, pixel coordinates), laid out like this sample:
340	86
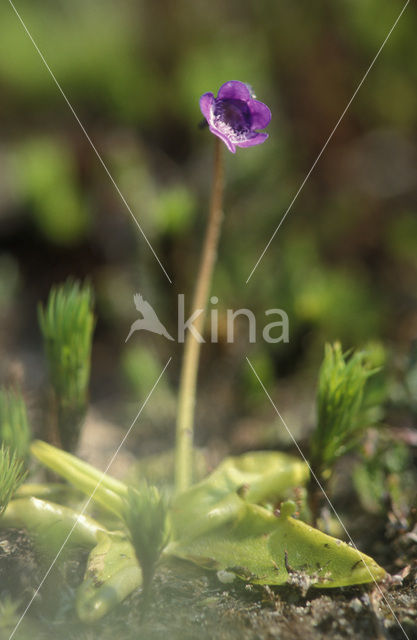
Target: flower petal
206	103
229	144
235	90
257	139
261	115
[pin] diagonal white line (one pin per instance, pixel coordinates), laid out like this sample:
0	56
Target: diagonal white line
103	164
324	493
327	142
90	498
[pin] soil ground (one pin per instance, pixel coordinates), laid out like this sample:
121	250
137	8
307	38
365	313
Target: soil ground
187	604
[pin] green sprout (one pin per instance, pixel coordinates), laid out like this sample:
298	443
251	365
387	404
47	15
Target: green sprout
11	475
146	519
14	427
67	324
342	411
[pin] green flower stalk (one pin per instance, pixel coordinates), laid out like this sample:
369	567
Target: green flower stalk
146	520
14	426
12	474
189	370
234	117
67	324
341	418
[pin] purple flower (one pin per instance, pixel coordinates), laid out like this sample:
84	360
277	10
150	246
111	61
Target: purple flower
234	116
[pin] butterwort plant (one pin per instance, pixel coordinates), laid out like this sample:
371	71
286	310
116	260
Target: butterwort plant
234	117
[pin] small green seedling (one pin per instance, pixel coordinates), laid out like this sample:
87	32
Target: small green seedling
146	520
67	324
14	427
341	416
12	475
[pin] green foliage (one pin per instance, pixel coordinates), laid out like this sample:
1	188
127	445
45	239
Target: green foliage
67	324
159	468
257	546
217	525
100	69
400	236
386	477
111	74
141	368
403	387
340	404
146	519
252	390
112	573
9	613
116	74
328	298
174	209
260	477
11	476
14	427
108	492
47	174
49	524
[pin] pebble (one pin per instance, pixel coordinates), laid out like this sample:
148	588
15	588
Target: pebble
356	605
226	577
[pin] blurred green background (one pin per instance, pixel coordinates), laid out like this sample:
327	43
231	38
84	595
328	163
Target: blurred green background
343	265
